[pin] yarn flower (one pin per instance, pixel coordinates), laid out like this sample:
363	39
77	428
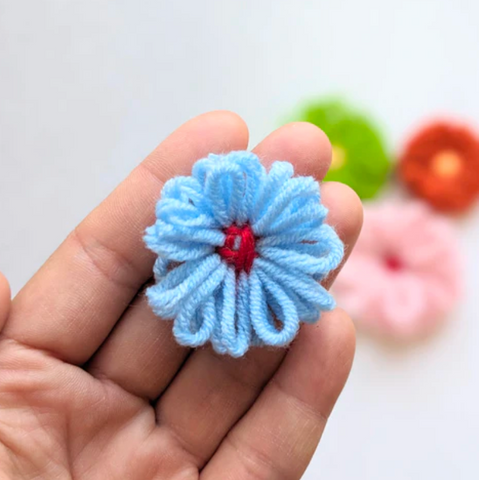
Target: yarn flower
240	253
404	273
441	165
359	155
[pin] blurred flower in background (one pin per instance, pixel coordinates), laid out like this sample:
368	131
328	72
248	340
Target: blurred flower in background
441	165
360	158
404	274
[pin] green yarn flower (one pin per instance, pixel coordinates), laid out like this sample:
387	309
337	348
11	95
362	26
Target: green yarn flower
360	159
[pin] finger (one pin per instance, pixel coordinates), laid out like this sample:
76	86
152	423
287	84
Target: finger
345	215
134	354
72	303
303	144
223	388
278	436
4	300
141	354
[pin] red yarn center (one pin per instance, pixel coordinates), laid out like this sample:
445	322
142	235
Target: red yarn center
393	263
238	249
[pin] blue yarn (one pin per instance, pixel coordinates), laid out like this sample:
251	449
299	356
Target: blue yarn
205	296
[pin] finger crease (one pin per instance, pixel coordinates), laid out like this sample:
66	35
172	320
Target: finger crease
254	460
300	404
186	446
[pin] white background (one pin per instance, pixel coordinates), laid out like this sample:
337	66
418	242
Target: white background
88	88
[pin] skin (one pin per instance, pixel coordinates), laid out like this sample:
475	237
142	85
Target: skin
93	386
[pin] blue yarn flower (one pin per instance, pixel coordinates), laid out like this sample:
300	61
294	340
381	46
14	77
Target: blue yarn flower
240	254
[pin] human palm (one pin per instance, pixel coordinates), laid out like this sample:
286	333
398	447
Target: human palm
93	386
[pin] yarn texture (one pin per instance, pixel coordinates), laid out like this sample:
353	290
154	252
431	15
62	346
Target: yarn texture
404	273
441	165
360	158
241	252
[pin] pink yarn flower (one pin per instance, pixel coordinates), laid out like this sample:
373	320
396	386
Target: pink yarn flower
404	273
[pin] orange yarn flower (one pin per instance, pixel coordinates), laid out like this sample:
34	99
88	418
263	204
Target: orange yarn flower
441	165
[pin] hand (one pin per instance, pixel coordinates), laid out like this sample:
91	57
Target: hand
93	386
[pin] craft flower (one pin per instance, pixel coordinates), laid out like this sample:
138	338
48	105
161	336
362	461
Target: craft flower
359	155
240	253
404	273
441	165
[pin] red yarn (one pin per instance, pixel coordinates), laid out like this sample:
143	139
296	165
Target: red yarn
243	257
393	263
